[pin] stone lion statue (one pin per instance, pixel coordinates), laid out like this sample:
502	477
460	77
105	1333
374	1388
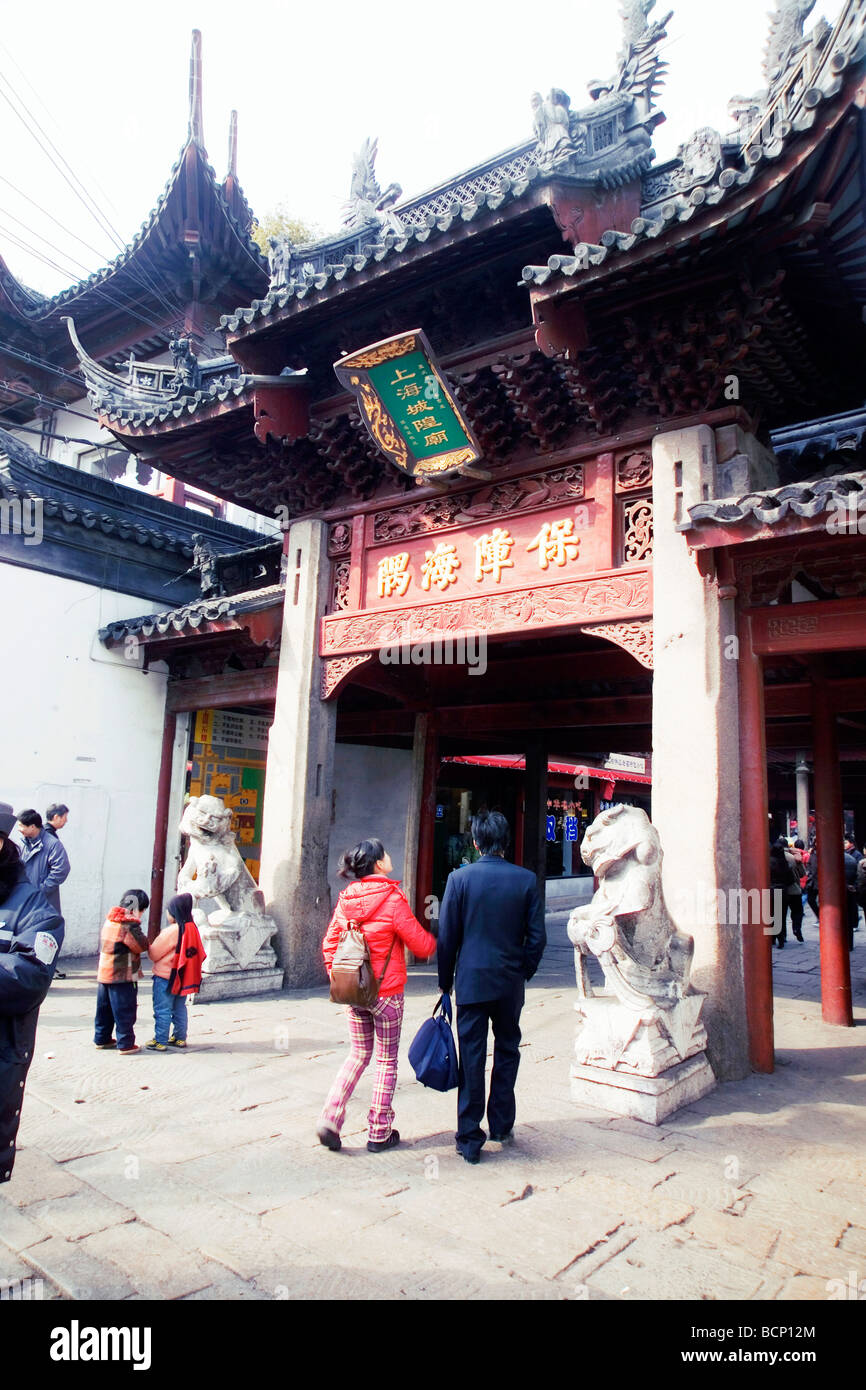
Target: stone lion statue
237	928
646	960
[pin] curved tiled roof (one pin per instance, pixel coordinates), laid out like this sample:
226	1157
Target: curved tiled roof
381	245
842	54
127	415
191	616
799	499
97	505
36	308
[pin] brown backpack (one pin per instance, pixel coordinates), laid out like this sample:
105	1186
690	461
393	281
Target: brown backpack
352	978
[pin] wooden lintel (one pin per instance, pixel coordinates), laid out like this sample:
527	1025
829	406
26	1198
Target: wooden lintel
823	626
220	692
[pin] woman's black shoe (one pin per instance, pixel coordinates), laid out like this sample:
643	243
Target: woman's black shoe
389	1143
329	1137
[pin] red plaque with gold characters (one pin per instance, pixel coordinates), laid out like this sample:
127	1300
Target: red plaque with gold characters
409	408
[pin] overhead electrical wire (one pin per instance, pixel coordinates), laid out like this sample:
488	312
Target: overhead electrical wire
38	98
41	399
81	192
32	360
153	324
64	438
112	297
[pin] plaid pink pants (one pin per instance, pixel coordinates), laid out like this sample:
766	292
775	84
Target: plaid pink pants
383	1022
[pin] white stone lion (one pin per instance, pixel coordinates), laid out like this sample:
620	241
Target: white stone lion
237	930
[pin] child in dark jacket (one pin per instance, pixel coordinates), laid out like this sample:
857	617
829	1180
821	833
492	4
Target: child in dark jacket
121	944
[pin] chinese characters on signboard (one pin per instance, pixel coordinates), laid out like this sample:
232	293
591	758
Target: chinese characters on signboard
408	406
488	557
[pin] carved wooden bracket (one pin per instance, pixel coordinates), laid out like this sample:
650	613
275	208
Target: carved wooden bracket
335	670
635	638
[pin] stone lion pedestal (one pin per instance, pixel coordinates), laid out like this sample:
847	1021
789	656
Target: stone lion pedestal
228	908
640	1042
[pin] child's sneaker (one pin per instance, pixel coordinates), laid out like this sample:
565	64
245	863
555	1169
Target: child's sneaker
177	1042
156	1046
103	1046
125	1051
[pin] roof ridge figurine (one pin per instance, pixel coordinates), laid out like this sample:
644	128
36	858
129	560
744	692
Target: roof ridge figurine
367	203
786	39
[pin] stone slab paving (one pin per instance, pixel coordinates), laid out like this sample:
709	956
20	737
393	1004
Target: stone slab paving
198	1175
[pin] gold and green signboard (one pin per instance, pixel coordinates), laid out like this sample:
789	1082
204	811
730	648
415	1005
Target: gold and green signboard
408	407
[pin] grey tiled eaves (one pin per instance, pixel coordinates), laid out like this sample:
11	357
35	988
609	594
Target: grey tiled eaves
682	208
809	500
388	245
126	414
191	616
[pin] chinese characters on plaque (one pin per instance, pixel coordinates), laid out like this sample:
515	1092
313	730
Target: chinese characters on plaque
570	814
409	407
554	545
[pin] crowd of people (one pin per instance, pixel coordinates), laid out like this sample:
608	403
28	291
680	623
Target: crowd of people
794	880
489	943
32	870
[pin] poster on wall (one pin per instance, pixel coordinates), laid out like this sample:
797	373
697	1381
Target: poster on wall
228	756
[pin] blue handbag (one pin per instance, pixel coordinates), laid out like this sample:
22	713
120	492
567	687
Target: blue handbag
433	1051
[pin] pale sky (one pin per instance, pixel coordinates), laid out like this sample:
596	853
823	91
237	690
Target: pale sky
443	85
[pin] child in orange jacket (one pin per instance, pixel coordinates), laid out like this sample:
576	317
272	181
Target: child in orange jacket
121	943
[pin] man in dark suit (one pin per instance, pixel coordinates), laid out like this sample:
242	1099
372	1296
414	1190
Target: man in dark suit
491	934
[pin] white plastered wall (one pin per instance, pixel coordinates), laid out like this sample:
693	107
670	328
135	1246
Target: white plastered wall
82	725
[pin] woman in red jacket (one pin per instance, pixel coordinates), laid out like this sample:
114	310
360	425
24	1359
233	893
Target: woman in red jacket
378	904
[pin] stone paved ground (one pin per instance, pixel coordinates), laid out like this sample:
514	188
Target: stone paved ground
198	1175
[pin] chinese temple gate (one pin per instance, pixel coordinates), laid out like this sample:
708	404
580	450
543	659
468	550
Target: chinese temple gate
622	340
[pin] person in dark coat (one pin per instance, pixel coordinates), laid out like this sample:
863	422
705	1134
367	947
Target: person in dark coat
31	934
785	874
56	817
45	861
491	940
852	865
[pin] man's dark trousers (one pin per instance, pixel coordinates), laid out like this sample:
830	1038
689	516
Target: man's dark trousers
491	939
472	1022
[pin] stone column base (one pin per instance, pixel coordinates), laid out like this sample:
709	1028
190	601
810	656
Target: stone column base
239	984
648	1098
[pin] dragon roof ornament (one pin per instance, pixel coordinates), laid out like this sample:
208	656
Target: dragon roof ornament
596	142
786	39
367	203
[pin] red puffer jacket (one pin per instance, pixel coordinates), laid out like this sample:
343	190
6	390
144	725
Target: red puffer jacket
379	905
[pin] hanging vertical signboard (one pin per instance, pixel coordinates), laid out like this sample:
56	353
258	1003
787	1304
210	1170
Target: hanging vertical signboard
409	408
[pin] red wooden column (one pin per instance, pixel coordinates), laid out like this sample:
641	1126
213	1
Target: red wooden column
163	796
836	1004
755	850
427	827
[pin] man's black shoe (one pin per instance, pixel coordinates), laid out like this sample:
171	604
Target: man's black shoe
389	1143
503	1138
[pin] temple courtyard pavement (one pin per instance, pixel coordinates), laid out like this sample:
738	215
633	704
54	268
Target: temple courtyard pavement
198	1175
